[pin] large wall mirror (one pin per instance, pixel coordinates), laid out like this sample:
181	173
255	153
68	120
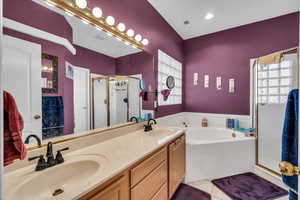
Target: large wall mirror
68	78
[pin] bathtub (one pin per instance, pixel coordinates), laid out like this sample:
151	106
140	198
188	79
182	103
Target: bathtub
217	152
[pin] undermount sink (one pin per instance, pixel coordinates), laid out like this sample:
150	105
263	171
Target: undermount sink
59	182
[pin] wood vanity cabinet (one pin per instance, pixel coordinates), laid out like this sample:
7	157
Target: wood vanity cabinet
176	164
156	177
117	189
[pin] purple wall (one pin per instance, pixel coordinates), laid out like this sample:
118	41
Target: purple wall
227	54
26	10
144	19
140	63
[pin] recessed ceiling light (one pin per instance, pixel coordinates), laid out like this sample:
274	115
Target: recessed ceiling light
209	16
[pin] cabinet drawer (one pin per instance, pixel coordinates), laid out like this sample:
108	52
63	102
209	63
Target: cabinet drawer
162	194
142	170
148	187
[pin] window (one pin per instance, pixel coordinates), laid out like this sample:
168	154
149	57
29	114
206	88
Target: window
274	82
168	66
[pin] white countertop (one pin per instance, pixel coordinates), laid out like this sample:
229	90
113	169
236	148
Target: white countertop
115	156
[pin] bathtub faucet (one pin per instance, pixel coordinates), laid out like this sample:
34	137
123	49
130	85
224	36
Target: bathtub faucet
204	122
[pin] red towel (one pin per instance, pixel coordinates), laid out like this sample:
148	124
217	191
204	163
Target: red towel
14	147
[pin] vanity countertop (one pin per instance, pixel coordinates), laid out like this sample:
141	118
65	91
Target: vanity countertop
114	156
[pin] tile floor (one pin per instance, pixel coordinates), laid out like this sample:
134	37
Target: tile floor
216	194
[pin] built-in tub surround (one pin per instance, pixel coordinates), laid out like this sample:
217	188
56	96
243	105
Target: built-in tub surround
217	151
100	158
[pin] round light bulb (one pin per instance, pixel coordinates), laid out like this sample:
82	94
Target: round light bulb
97	12
110	20
121	27
81	3
145	42
45	68
130	32
138	37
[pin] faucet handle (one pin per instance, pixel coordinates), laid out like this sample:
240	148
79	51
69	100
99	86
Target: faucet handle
59	158
35	157
42	164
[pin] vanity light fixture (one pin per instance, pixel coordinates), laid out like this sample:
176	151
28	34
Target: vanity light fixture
109	34
69	13
138	37
145	42
121	27
94	17
130	32
97	12
81	3
50	4
84	21
110	20
209	16
98	28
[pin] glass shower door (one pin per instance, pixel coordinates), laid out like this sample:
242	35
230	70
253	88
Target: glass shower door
273	83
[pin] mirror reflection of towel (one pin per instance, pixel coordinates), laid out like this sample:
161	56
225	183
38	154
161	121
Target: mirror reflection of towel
53	116
14	147
166	94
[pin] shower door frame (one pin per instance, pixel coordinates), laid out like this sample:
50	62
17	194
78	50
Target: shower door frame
254	107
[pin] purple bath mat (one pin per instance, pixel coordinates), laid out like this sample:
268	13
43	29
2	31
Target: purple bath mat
185	192
249	186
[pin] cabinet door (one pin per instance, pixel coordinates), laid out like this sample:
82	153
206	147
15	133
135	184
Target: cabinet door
176	164
118	190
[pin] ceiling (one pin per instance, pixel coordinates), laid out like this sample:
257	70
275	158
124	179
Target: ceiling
89	37
228	13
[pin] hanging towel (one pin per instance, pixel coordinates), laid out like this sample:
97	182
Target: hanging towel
144	95
166	94
290	139
14	147
53	116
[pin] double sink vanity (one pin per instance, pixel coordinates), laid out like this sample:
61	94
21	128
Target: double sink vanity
121	164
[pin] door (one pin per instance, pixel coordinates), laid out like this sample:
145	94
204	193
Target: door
22	69
176	164
134	99
81	99
274	82
99	106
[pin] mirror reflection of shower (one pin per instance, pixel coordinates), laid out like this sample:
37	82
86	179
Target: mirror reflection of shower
272	82
115	99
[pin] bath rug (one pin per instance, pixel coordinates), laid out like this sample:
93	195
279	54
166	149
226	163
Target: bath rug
186	192
249	186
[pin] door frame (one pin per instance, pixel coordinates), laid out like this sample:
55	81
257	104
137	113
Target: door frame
87	96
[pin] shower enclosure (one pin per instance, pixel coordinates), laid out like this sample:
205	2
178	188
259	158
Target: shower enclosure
115	99
271	84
